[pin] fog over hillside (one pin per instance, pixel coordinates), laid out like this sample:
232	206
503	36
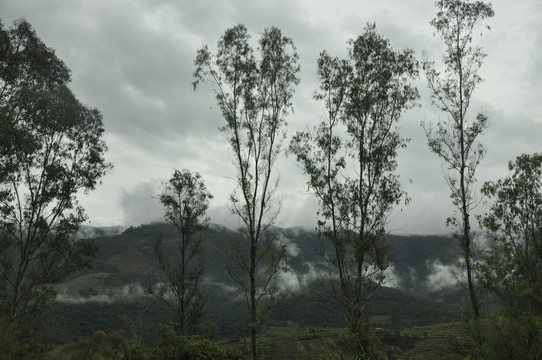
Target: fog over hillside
421	265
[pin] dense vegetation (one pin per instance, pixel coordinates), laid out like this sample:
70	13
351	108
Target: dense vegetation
126	259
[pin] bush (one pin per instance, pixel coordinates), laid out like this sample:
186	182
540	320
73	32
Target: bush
506	334
12	348
177	347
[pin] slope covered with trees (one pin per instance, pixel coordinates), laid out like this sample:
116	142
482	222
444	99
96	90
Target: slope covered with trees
126	260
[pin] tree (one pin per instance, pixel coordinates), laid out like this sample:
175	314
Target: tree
514	223
185	200
364	95
512	270
51	149
455	138
254	97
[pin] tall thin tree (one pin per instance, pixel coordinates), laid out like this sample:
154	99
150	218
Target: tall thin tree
364	95
254	96
185	200
455	138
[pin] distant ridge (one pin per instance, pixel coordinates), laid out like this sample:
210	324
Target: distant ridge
90	300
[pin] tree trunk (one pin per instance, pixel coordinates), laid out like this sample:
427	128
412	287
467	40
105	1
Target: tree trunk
466	243
253	317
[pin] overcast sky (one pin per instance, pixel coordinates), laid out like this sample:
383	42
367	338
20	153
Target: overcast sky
133	60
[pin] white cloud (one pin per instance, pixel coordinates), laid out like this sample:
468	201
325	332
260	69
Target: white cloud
442	276
290	280
292	250
225	287
392	280
128	292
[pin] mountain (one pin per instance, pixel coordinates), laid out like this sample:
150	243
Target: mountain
90	300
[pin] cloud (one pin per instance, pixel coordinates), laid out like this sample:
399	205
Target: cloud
299	206
292	250
133	60
292	281
139	204
89	232
413	277
128	292
482	240
224	287
392	280
221	215
442	276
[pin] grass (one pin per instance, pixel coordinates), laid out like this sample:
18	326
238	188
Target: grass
95	282
131	261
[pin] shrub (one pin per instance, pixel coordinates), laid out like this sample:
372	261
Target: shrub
177	347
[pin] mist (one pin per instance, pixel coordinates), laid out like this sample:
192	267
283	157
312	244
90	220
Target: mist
129	292
442	276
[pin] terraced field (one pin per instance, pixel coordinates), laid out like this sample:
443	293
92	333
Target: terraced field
434	343
308	343
289	343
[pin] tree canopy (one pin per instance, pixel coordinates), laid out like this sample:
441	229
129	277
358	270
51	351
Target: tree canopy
455	138
254	96
185	200
364	96
51	150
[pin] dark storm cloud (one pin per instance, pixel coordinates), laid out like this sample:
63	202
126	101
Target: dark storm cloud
133	60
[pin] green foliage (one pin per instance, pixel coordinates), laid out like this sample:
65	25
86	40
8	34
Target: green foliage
506	334
334	344
127	258
185	200
362	344
175	347
78	320
366	93
255	98
122	344
51	149
125	344
7	339
11	348
513	335
455	138
512	270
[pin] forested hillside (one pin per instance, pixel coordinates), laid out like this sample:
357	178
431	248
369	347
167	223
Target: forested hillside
90	300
